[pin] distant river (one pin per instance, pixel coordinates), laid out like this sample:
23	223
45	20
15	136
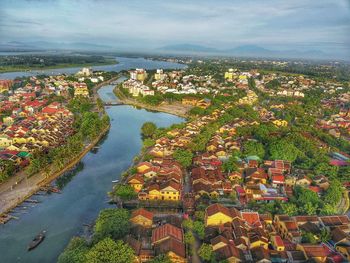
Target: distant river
124	64
84	191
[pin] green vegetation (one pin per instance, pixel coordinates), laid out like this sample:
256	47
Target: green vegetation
113	223
206	252
124	192
108	251
26	62
148	129
184	157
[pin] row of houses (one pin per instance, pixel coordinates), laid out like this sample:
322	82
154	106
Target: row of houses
247	236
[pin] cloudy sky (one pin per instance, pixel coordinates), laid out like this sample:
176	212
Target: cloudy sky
148	24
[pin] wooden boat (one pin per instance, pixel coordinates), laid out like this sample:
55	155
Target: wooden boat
55	190
37	240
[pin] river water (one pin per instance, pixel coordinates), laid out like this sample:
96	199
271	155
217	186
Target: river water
123	64
84	191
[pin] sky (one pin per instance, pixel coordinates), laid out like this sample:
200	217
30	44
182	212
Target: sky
149	24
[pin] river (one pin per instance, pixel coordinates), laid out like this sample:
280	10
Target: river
123	64
84	192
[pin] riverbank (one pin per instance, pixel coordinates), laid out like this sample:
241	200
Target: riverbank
175	108
6	69
28	186
21	186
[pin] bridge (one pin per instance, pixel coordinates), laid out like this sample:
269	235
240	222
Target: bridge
113	103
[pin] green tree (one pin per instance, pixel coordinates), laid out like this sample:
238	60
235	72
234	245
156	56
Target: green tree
148	129
308	237
112	223
326	169
253	148
184	157
124	192
160	259
199	228
75	252
205	252
290	209
189	238
108	251
230	165
284	150
334	192
187	224
324	235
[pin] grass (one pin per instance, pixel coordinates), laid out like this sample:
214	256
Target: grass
4	69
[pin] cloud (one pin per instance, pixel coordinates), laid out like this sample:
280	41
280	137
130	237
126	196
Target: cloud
149	24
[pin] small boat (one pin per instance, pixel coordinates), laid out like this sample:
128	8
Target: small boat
37	240
115	181
55	190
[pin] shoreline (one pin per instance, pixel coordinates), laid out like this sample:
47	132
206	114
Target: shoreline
44	181
182	111
37	179
29	69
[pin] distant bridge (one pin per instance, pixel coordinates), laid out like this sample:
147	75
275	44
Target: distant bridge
113	103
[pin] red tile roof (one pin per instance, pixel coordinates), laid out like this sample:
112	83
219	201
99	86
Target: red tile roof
166	231
142	212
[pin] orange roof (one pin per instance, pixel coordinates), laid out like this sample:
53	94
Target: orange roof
142	212
252	218
167	231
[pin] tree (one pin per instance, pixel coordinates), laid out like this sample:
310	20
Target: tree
124	192
189	238
326	169
205	252
112	223
324	235
283	150
187	224
253	148
290	209
160	259
75	252
148	129
184	157
334	192
308	237
199	228
108	251
230	165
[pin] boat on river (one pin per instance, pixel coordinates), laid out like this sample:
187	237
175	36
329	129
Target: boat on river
115	181
37	240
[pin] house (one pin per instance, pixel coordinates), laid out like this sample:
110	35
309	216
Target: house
217	214
136	181
173	248
230	254
141	254
142	217
317	253
277	243
303	181
141	167
165	232
287	228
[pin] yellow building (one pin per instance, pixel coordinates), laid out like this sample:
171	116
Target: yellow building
217	214
280	123
229	75
81	91
142	217
5	141
136	182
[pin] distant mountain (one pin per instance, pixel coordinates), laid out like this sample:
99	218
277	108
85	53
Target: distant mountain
248	49
45	45
188	48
